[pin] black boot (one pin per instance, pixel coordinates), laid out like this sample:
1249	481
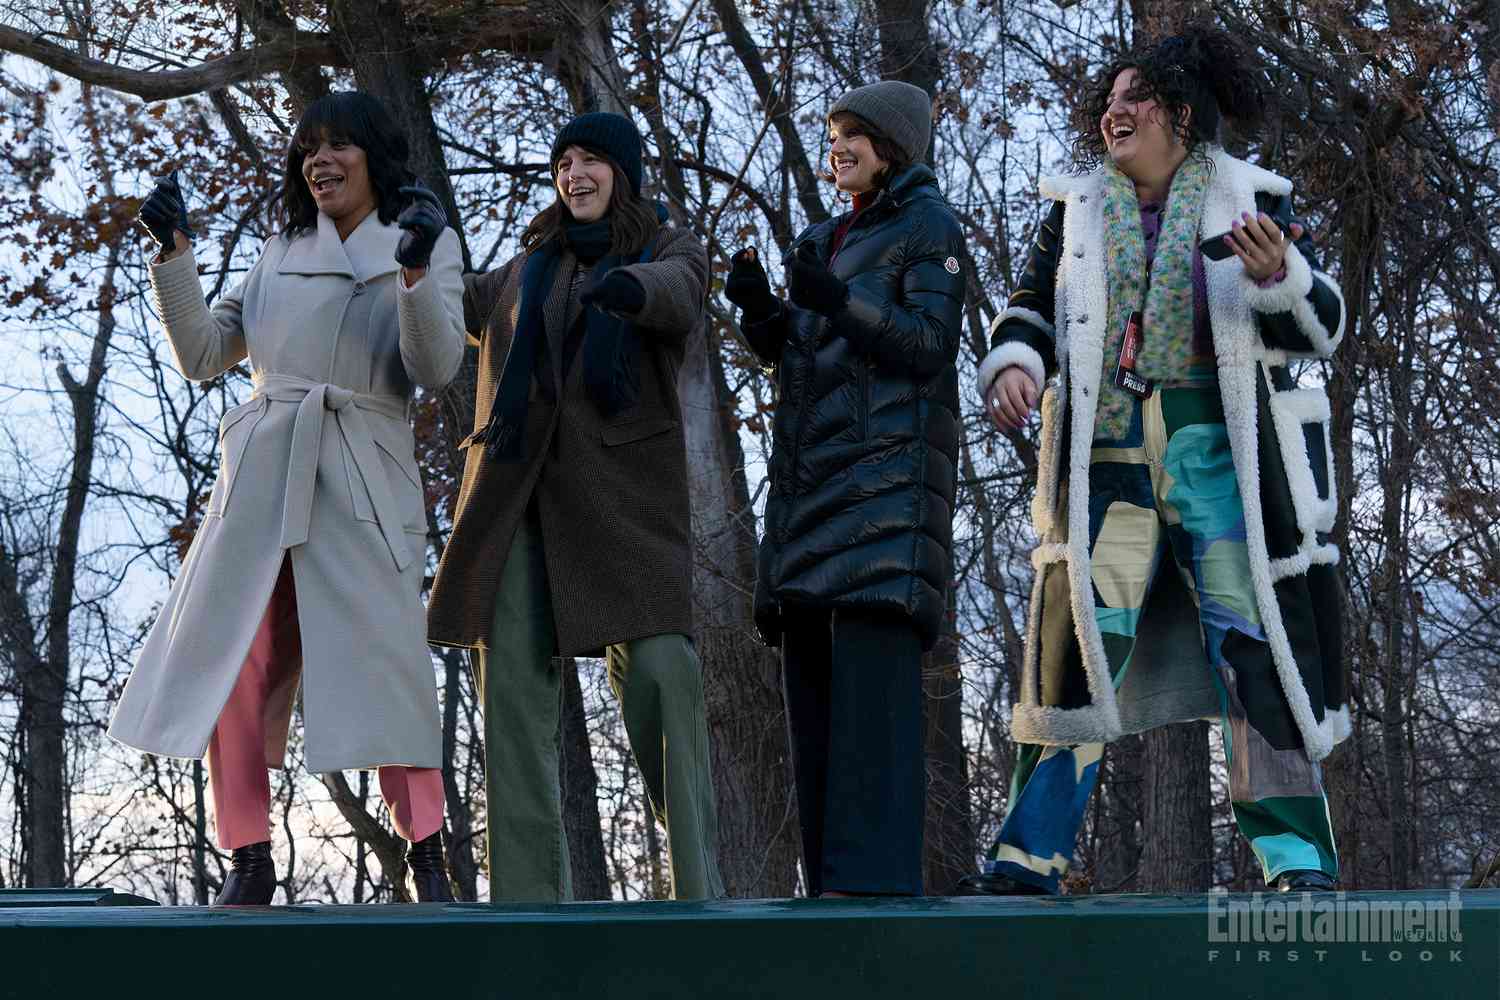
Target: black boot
429	870
995	884
1305	881
252	877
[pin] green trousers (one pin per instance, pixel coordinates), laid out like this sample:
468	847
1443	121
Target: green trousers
660	688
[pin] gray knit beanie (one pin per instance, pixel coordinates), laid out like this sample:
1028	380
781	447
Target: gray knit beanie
903	112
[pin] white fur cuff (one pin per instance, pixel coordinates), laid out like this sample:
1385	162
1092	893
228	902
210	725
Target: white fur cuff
1008	354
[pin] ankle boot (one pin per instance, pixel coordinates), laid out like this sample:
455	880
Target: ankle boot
252	877
429	870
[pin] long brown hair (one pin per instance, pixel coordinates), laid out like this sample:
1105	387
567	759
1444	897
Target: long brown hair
884	147
632	219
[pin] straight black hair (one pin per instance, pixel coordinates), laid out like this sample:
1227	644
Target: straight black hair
361	120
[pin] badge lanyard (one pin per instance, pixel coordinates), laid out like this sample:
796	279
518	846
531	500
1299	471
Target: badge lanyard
1126	377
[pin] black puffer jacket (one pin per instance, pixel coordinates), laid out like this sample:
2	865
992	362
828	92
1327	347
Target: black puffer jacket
865	439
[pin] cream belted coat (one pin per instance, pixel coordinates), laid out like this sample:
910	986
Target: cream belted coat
317	466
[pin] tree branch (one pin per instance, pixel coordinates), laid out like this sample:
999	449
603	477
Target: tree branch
161	85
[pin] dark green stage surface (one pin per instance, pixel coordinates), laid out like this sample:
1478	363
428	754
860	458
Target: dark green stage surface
1107	947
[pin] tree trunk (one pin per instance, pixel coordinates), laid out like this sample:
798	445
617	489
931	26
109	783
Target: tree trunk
1178	853
948	852
580	789
460	848
377	40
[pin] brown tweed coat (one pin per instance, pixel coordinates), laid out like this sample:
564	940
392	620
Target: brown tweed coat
612	494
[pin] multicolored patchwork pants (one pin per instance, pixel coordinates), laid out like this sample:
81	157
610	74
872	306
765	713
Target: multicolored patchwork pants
1169	488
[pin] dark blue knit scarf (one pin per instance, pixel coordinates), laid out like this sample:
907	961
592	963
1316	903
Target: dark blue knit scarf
611	345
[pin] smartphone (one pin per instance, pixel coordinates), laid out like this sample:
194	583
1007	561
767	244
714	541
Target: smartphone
1214	248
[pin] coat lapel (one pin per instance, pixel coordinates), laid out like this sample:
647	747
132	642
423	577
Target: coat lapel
368	253
371	248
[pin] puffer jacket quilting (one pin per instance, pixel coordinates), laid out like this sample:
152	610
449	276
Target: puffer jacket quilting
865	440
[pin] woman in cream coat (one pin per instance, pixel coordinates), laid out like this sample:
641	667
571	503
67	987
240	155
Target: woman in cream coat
309	562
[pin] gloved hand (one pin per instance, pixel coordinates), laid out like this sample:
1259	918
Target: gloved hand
748	287
423	221
812	286
616	292
163	211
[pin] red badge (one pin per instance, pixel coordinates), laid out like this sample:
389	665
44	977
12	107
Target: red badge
1126	376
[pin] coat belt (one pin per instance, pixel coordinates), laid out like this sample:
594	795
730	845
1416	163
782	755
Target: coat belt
316	403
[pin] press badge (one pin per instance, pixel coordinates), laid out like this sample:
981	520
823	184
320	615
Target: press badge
1126	376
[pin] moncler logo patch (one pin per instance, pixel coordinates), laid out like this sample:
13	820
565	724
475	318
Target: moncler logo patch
951	265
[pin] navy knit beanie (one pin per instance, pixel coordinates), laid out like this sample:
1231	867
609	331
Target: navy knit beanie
604	132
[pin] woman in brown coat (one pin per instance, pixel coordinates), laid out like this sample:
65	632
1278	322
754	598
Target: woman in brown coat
572	528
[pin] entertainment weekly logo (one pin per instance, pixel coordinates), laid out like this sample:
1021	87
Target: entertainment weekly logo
1311	927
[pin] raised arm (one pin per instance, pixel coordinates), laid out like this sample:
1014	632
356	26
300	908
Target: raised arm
1302	311
205	342
920	329
674	283
432	316
1023	334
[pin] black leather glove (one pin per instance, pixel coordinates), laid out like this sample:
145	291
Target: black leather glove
748	287
812	286
616	292
163	211
423	221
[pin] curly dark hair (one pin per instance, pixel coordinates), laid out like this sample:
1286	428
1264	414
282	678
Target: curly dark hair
361	120
1202	69
884	147
633	222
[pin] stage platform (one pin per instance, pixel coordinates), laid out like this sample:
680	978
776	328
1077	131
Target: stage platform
1107	947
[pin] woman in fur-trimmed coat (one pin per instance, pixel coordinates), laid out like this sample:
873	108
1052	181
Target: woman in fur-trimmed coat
1185	497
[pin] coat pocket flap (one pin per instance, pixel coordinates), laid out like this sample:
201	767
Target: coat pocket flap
1302	430
636	430
395	438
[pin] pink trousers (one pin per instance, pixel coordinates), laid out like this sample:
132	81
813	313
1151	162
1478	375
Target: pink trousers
237	758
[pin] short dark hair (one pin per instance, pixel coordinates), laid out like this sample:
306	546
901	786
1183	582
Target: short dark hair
361	120
632	219
1202	70
885	147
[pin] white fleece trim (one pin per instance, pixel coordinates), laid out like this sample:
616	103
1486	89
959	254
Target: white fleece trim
1051	726
1080	326
1324	343
1305	559
1011	354
1283	295
1025	315
1048	553
1044	500
1336	726
1290	410
1240	351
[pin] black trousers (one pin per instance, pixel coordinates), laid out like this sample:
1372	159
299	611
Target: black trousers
853	685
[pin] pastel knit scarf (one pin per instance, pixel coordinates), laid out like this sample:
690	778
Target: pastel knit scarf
1168	299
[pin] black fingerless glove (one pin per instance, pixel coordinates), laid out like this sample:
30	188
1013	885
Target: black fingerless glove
812	286
165	210
423	221
748	287
616	292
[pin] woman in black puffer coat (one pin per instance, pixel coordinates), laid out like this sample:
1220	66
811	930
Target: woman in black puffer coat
854	565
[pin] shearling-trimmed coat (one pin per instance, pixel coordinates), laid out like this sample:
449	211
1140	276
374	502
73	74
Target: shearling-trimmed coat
317	466
611	493
1279	439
